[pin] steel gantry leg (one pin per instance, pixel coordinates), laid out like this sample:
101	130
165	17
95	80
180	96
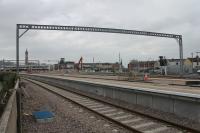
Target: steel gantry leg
17	49
181	55
17	46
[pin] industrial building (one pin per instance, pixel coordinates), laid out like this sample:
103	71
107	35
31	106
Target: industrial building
190	65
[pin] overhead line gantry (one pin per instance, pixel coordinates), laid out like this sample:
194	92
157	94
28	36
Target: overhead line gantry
27	27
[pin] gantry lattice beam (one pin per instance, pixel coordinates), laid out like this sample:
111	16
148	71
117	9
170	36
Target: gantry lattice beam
94	29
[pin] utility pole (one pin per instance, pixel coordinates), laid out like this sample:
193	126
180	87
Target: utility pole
192	62
197	58
120	66
3	64
93	64
119	57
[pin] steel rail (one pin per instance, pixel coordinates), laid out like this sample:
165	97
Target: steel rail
123	125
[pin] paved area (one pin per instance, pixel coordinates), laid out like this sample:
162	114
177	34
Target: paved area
135	85
161	81
69	117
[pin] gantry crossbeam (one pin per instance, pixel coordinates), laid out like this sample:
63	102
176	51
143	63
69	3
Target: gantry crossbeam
95	29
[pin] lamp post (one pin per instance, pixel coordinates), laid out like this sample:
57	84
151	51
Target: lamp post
192	62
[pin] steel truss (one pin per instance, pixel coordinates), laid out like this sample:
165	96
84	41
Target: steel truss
95	29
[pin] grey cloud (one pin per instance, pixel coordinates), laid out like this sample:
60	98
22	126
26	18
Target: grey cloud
179	17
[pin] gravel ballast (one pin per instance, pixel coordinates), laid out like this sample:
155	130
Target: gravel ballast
69	117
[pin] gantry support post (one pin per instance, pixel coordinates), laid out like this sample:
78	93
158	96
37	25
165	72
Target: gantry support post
181	55
17	49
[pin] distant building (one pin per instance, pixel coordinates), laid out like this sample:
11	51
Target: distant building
64	64
6	64
173	66
26	57
116	66
88	66
69	65
136	65
102	67
195	62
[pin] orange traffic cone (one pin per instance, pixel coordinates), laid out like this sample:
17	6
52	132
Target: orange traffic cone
146	77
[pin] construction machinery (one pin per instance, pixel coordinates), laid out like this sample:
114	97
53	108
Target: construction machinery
79	65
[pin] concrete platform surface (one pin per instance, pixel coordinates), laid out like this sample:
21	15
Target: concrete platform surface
159	88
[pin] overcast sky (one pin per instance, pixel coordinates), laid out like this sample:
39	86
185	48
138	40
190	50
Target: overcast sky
168	16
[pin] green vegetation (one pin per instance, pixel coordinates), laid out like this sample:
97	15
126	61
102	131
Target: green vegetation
1	86
7	82
8	79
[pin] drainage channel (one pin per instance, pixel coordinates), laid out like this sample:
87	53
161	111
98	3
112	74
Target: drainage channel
127	119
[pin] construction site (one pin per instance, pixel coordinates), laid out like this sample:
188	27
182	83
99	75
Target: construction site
103	66
135	70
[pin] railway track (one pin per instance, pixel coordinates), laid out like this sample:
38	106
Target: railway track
128	119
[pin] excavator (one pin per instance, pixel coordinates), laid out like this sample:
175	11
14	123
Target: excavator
79	65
